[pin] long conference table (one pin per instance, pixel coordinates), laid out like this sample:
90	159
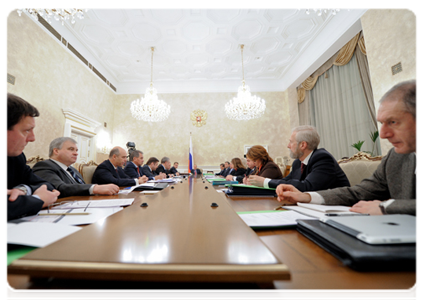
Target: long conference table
179	240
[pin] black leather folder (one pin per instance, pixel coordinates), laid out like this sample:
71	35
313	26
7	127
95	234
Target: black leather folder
157	186
236	190
357	254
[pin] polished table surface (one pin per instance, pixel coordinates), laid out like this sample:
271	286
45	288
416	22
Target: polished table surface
315	274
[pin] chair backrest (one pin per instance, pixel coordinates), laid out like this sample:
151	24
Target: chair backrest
33	160
87	171
280	162
359	167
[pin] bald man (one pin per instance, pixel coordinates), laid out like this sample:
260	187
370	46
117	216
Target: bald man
110	170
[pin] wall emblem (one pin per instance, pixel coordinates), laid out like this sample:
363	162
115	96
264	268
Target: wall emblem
198	117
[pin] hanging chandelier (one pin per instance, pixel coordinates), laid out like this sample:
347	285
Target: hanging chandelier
62	14
244	106
150	108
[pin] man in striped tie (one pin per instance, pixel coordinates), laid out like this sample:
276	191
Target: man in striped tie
57	170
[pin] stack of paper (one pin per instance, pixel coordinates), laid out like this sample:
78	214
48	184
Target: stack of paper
79	212
320	211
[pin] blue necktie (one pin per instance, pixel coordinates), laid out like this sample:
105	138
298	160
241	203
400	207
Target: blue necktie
76	177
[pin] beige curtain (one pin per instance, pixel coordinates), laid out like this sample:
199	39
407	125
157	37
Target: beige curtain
340	111
341	58
304	110
363	68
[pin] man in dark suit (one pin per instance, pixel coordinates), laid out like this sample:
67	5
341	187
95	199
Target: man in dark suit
134	167
110	170
393	183
26	192
57	170
196	171
313	169
222	168
227	170
164	167
149	169
174	169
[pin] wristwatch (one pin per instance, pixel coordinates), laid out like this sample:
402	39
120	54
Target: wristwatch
23	189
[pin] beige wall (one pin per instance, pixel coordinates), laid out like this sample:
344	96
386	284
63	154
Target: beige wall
51	78
291	94
390	37
219	140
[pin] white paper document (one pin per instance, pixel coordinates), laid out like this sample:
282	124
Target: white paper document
162	180
273	219
38	234
319	211
71	218
95	203
326	208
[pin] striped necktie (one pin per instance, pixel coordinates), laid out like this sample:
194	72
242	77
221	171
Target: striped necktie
75	176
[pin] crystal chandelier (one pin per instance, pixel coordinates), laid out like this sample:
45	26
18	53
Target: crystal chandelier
244	106
62	14
150	108
319	11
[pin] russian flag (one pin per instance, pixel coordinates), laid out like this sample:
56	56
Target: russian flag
191	156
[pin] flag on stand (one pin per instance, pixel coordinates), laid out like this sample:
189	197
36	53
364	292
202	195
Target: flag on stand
191	156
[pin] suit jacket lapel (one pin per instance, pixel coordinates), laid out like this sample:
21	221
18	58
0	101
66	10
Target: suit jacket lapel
66	177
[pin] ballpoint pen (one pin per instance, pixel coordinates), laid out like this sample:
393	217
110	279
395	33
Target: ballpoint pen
345	215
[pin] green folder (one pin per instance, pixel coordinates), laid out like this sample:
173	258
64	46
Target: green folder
18	252
215	179
249	186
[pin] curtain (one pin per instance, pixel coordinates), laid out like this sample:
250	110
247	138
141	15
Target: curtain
304	110
339	110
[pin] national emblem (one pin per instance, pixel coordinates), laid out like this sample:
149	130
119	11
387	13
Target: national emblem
198	117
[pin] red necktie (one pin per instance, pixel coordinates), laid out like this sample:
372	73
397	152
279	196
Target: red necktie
302	167
138	170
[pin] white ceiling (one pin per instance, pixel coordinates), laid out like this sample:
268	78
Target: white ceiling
197	50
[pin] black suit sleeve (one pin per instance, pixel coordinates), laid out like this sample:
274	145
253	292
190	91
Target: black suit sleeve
23	206
19	173
146	171
106	175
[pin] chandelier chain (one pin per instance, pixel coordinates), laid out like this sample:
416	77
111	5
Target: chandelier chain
242	63
245	106
149	108
152	51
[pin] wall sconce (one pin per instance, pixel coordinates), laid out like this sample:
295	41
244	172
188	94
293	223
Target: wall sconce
103	142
